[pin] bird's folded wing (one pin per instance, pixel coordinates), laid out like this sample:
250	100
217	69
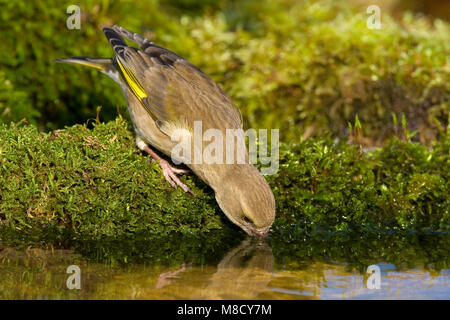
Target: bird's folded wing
173	91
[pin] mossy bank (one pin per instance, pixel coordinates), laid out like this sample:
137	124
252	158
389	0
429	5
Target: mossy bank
92	183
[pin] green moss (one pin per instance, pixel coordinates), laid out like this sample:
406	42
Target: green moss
11	96
94	183
323	184
305	66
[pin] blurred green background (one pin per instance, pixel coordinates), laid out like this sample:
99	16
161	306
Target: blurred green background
306	67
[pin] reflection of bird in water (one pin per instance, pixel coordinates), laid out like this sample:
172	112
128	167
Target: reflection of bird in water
166	278
243	273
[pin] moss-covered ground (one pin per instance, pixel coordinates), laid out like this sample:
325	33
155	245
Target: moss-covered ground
93	183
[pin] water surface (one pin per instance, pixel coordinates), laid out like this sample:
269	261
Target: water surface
412	267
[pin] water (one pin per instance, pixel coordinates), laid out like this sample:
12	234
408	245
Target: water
332	267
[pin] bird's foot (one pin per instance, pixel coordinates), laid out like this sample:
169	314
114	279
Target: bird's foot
174	169
169	173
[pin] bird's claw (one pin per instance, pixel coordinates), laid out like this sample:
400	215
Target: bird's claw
169	173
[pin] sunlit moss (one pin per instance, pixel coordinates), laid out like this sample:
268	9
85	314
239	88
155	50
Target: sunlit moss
93	183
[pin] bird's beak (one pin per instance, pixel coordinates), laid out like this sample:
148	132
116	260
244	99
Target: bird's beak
261	233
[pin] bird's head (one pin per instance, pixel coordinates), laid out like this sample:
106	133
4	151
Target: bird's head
247	200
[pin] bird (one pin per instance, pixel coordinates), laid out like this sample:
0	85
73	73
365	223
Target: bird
166	93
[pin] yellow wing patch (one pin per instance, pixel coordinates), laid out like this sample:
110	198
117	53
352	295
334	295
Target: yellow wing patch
132	82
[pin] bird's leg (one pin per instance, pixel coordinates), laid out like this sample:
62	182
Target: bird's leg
169	171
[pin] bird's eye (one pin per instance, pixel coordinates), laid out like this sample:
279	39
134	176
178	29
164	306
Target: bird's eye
247	219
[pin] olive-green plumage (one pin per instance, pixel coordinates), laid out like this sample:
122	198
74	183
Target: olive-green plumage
166	93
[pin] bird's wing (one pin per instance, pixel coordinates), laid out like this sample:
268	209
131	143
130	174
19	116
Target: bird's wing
173	91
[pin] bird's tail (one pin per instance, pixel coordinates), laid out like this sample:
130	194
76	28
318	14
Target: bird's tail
105	65
99	64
